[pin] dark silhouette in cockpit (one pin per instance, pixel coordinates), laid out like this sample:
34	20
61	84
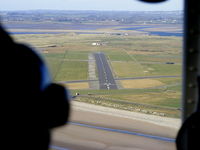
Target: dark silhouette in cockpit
31	104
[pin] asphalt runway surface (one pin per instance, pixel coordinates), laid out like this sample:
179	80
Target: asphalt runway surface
106	79
95	131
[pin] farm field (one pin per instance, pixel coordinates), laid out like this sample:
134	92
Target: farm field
130	54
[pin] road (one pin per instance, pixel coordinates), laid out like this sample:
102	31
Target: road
106	79
127	78
99	131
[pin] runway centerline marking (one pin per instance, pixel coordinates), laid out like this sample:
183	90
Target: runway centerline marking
104	71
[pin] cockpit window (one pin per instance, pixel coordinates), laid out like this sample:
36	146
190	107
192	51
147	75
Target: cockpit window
121	60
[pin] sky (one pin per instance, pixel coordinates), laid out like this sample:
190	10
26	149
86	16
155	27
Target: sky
130	5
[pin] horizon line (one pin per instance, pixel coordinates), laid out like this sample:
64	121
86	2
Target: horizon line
93	10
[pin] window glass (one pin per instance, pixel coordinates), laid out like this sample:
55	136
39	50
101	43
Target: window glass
121	60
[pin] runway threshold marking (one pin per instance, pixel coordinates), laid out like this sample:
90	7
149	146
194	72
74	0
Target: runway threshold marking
125	132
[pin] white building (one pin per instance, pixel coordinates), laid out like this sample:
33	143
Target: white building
96	44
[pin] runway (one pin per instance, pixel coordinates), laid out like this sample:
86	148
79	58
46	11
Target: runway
106	79
99	131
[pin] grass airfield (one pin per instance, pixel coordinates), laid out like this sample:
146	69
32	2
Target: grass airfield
130	54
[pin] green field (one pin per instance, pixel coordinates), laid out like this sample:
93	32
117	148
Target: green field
165	101
128	69
129	56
